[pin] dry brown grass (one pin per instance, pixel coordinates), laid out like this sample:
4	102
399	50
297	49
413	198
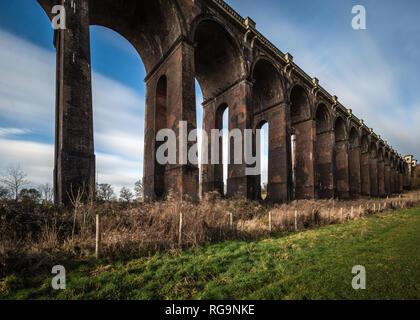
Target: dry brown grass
32	236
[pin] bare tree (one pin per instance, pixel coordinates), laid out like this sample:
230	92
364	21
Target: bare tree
105	192
126	195
15	180
138	190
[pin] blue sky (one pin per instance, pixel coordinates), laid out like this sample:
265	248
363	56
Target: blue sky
373	71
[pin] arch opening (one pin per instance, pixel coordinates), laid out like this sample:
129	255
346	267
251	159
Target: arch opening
302	144
374	188
267	94
341	159
218	63
381	173
387	170
365	165
267	90
324	153
118	112
354	163
152	27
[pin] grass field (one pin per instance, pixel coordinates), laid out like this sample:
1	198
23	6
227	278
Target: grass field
316	264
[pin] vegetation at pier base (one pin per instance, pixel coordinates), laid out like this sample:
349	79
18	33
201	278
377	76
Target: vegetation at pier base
315	264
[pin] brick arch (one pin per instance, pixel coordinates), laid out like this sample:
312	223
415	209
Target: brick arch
261	58
380	153
392	161
322	118
381	171
401	176
267	89
200	18
152	27
387	171
302	145
392	172
324	152
340	128
386	155
268	105
354	161
299	103
373	150
364	142
354	136
341	159
374	185
219	62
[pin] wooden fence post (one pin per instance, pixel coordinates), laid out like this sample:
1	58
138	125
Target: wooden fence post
180	229
270	221
313	216
296	220
329	215
231	220
342	215
360	211
98	236
352	213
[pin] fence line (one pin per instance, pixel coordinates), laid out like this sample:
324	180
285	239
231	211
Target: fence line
300	221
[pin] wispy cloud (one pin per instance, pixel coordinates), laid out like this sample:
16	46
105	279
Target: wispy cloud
36	159
27	105
12	132
377	83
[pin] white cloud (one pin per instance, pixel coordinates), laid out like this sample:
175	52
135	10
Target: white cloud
27	84
27	101
117	171
12	132
118	118
368	80
36	159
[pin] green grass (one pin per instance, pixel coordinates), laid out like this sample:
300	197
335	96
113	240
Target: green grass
316	264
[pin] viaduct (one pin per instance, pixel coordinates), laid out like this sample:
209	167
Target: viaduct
317	147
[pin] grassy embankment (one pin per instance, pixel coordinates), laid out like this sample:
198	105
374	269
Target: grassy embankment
315	264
